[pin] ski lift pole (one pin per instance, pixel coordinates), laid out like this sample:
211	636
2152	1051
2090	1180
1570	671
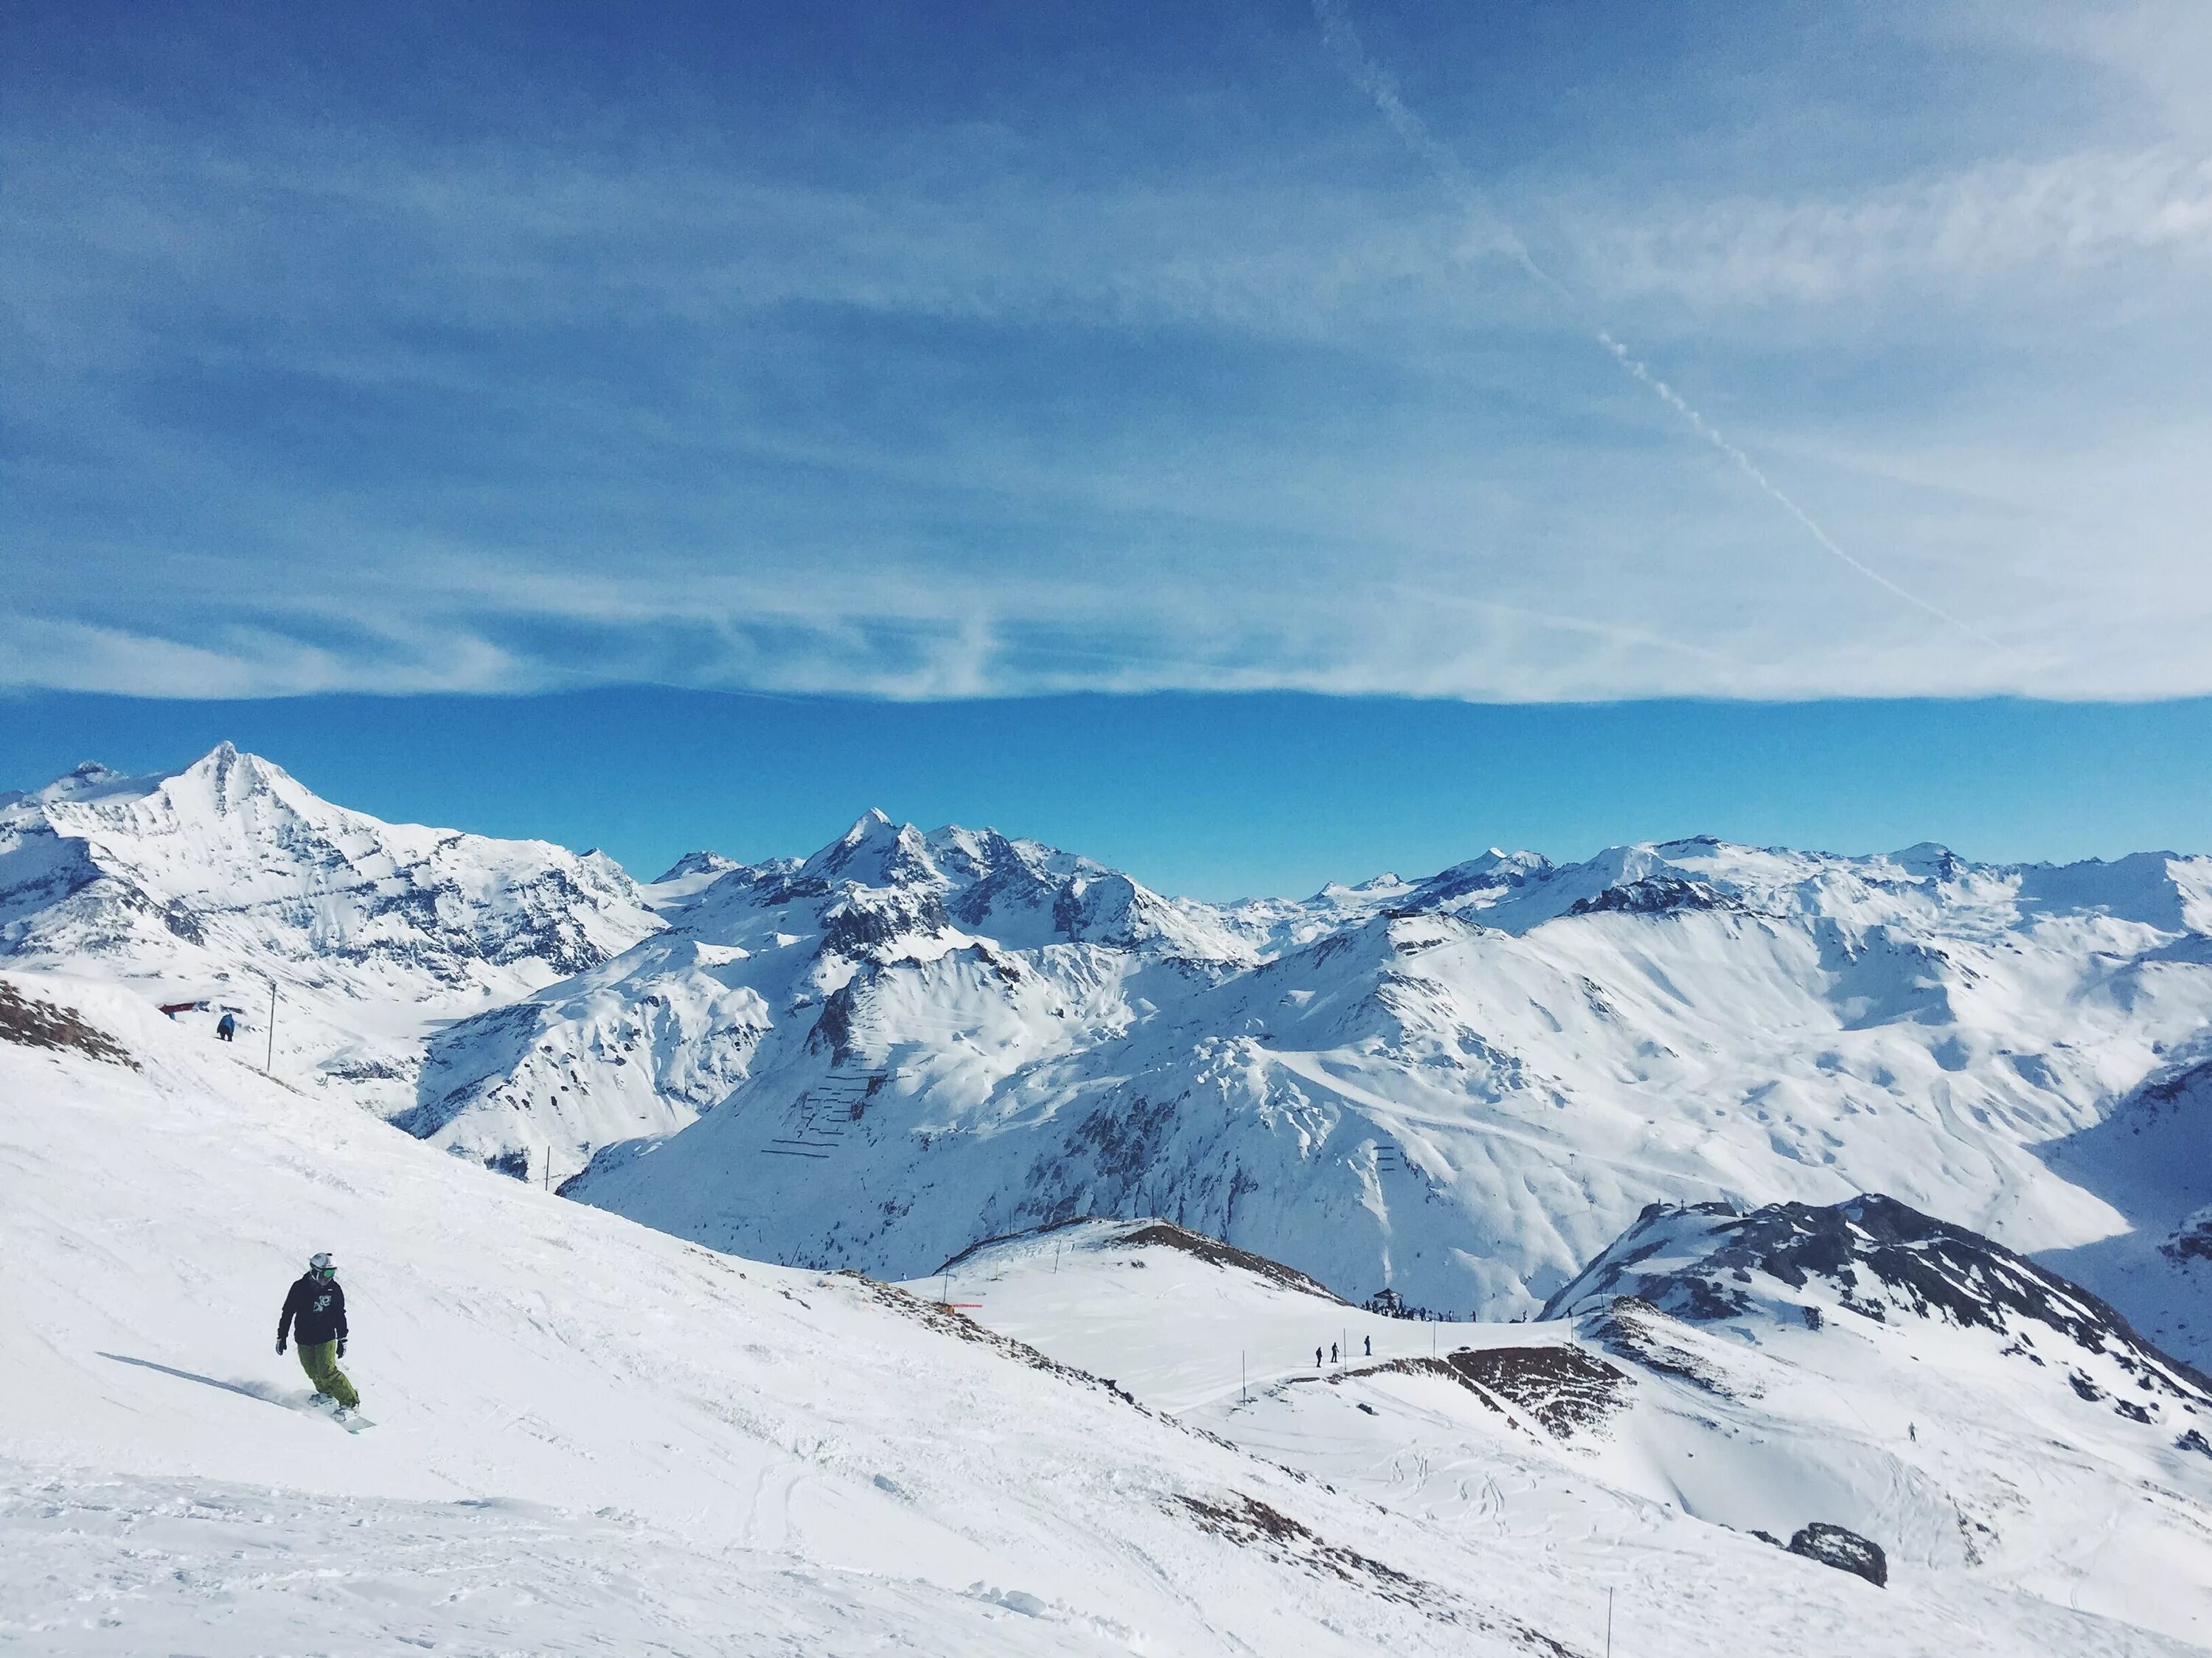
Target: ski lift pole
269	1066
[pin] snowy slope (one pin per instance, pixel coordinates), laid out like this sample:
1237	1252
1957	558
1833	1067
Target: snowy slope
2151	1158
1968	1451
1460	1087
595	1438
207	882
756	969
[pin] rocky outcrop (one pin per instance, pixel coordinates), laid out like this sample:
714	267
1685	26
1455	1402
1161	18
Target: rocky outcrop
1846	1551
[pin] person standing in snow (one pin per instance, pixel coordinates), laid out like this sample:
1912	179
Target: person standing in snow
1369	1340
314	1311
226	1027
1332	1352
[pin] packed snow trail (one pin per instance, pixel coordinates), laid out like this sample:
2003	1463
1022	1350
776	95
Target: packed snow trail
596	1436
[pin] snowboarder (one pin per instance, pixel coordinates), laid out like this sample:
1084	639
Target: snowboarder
314	1310
1332	1352
1317	1358
1369	1340
226	1027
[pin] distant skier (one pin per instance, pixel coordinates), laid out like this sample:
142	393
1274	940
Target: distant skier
1317	1358
226	1027
1369	1340
1332	1352
314	1310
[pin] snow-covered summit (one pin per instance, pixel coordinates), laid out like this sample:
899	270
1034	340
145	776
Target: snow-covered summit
206	883
1875	1259
100	864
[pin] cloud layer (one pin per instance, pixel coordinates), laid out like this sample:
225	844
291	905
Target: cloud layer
1191	376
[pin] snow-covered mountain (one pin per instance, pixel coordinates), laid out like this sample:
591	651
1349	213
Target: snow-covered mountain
206	883
1460	1088
592	1437
1806	1376
761	967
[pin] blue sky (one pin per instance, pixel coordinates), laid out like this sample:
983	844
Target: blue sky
1209	794
1509	352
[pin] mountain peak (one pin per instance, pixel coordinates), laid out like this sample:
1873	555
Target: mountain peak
875	852
227	776
698	863
1870	1256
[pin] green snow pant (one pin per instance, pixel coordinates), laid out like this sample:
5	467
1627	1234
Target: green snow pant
320	1360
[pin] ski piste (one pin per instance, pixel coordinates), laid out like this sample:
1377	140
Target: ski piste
637	1434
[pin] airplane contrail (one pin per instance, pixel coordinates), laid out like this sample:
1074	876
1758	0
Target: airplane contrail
1343	40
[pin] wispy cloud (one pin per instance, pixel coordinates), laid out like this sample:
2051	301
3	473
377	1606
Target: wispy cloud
1954	236
954	406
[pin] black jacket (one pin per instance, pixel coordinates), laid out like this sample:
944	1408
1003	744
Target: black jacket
318	1305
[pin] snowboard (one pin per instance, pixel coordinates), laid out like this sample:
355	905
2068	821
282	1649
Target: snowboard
353	1422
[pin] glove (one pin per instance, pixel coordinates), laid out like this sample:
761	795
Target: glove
280	1344
341	1346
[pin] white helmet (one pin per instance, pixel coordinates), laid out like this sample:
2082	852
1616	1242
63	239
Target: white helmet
320	1260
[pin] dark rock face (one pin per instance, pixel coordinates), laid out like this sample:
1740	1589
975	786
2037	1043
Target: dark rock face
1636	1330
36	1024
2192	1241
1660	895
1881	1259
861	924
833	1031
1565	1388
1846	1551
